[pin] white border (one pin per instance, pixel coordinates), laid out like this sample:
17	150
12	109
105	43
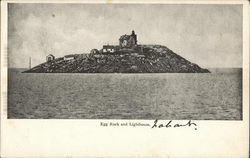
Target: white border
86	138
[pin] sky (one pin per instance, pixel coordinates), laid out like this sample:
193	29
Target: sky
208	35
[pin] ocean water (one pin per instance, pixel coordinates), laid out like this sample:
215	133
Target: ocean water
206	96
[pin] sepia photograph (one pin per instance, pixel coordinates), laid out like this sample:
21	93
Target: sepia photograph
125	61
123	78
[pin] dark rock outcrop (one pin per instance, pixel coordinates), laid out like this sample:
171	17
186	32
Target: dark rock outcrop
153	59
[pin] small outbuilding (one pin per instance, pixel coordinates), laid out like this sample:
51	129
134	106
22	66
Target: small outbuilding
69	57
50	57
94	51
109	48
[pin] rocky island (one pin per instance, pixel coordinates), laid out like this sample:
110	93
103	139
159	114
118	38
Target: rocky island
127	57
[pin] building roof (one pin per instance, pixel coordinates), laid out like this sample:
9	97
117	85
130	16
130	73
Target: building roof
69	56
109	47
50	55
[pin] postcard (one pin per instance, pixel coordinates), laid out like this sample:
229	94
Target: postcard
124	78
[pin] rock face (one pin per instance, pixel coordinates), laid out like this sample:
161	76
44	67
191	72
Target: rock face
153	59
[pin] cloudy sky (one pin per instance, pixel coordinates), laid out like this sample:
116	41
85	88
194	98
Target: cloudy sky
208	35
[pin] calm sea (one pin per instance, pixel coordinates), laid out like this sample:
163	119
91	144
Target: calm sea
212	96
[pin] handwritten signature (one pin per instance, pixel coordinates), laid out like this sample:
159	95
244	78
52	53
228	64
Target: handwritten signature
171	124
